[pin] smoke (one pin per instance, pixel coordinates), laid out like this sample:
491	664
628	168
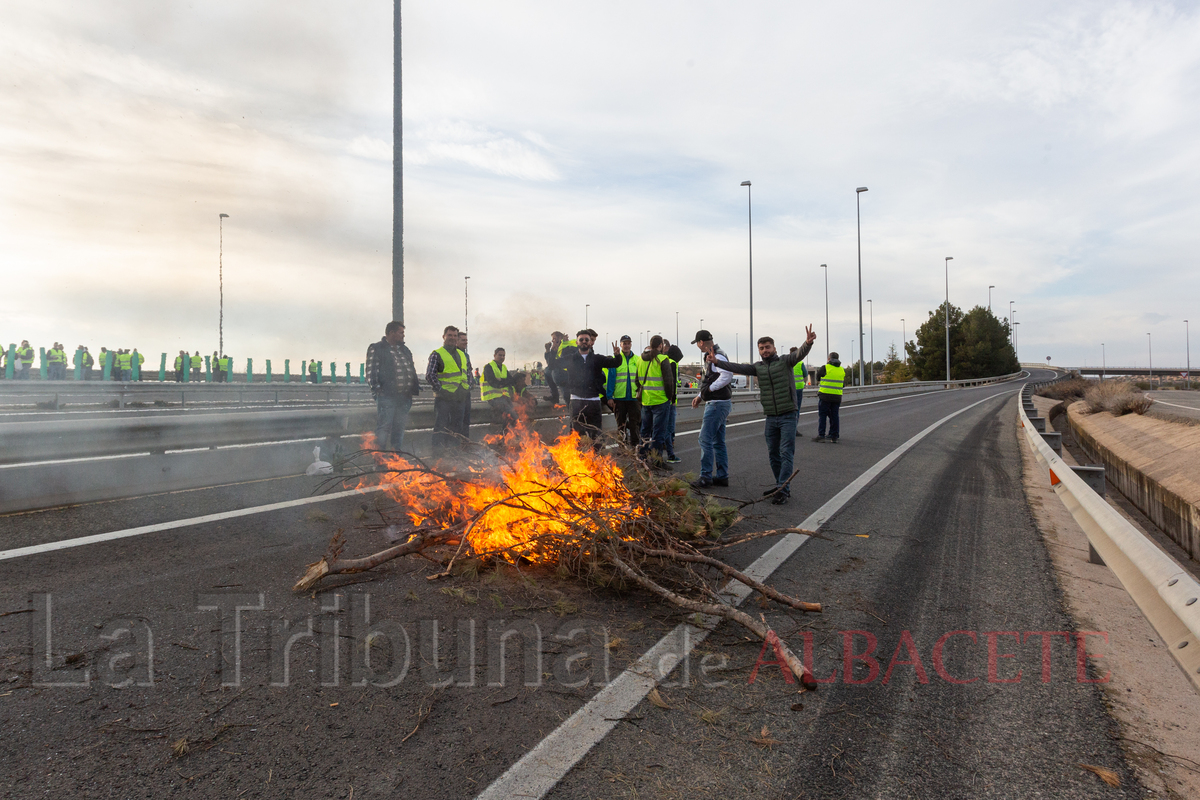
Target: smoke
522	330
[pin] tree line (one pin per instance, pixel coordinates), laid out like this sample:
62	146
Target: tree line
980	347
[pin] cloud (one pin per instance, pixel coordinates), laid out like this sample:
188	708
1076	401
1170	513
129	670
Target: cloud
461	143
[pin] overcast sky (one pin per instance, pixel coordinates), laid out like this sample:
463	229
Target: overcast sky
570	153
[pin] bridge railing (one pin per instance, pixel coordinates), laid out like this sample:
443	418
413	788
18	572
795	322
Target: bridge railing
1167	595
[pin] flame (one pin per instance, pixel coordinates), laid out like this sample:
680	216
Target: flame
522	506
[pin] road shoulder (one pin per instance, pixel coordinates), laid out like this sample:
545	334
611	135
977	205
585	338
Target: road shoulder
1156	707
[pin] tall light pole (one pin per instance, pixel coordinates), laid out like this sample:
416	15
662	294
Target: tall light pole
1016	343
676	327
990	298
1187	338
946	316
1150	352
858	212
852	364
1103	362
827	342
221	283
397	170
1010	320
465	301
586	306
872	307
904	340
750	251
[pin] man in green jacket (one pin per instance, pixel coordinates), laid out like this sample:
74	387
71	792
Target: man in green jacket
777	393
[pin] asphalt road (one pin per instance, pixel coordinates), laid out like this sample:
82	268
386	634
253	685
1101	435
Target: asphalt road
941	542
1177	403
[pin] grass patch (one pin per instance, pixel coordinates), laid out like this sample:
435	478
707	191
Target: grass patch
1117	398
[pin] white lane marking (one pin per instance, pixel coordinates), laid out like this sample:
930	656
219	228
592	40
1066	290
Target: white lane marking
540	770
64	544
1174	405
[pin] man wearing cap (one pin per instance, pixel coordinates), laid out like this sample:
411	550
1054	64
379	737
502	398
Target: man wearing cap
777	393
716	392
622	394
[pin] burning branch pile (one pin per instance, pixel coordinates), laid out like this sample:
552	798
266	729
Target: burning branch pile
524	502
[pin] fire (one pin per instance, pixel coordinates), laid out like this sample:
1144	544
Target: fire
523	505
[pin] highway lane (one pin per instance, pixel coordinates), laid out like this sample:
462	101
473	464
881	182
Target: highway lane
296	741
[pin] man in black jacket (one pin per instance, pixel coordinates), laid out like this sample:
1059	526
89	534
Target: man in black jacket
585	382
393	380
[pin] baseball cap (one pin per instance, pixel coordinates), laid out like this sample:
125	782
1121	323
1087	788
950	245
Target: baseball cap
702	336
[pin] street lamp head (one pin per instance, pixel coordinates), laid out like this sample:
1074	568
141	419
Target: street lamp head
991	287
222	216
861	189
745	183
825	266
949	258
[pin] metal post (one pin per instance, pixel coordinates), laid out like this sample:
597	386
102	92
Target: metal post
827	342
858	211
872	307
1010	321
1016	343
397	170
946	316
990	298
676	327
221	282
587	307
466	300
904	340
1103	362
1187	338
1150	351
750	252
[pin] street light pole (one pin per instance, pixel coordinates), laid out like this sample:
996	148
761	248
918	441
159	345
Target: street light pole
990	298
1010	320
1103	362
852	364
904	340
946	316
221	283
586	306
1187	338
827	342
466	301
858	213
1150	351
676	327
750	252
871	305
1017	345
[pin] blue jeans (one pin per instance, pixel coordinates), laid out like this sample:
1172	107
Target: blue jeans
671	430
393	418
712	439
780	433
654	429
828	409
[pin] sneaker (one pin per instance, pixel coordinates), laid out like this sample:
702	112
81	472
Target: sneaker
674	460
701	483
780	499
818	438
720	481
833	441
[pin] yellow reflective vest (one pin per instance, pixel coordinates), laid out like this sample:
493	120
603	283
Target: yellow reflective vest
650	378
833	380
489	392
452	376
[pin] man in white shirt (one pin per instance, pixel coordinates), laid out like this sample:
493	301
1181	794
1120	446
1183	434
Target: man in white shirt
716	392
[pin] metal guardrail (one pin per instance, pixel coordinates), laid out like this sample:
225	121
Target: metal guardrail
1167	595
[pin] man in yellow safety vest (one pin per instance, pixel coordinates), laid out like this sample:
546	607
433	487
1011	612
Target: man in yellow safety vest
621	391
657	385
196	362
446	372
497	388
830	380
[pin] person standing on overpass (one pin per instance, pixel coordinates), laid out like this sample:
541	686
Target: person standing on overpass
24	360
196	362
392	376
800	371
497	388
622	394
446	372
585	381
777	393
831	378
717	395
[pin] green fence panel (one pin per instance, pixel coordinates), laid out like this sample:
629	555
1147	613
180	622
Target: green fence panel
8	362
249	370
42	362
108	365
78	362
162	368
268	370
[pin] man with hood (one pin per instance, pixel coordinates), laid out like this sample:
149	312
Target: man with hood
830	380
657	384
777	393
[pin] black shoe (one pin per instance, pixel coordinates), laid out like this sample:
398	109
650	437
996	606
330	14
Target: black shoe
771	491
674	460
720	481
833	441
701	483
780	499
818	438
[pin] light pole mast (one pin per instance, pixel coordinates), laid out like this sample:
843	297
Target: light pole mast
1150	352
466	301
904	340
750	251
946	316
221	283
858	212
1187	338
871	306
827	342
397	172
990	298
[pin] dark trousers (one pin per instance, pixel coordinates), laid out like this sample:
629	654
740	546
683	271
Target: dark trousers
585	417
449	418
391	421
654	429
629	420
780	434
828	408
553	386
